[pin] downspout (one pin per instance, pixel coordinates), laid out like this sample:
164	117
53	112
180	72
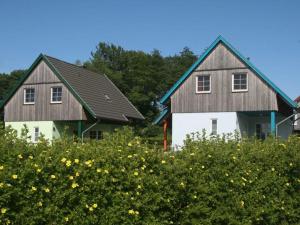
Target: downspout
87	129
282	121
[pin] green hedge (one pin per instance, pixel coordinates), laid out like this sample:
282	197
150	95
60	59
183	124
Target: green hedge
122	181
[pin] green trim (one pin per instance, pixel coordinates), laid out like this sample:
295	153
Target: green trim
273	122
57	73
241	57
79	128
161	116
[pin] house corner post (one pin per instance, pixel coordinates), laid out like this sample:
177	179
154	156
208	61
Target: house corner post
273	123
165	127
79	128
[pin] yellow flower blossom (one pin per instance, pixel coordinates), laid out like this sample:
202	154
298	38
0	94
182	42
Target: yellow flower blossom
91	209
30	157
63	160
209	156
1	167
143	159
182	184
1	185
136	212
123	169
226	174
76	161
77	174
202	167
244	179
66	219
194	197
135	173
38	170
129	144
71	177
53	176
68	163
99	170
242	203
88	163
20	156
106	171
139	186
163	162
291	164
33	188
40	204
36	165
192	154
273	169
233	157
74	185
129	156
15	176
95	205
3	210
131	212
47	190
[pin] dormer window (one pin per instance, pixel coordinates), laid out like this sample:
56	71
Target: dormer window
56	94
203	84
29	96
239	82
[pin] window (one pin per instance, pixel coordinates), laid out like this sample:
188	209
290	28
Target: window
97	135
56	94
203	84
239	82
36	134
29	95
214	126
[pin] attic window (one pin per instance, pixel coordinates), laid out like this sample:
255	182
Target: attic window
29	96
239	82
56	94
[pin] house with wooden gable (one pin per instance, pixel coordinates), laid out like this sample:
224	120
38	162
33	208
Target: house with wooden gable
223	92
56	97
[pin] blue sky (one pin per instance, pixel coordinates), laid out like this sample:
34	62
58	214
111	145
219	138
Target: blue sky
266	31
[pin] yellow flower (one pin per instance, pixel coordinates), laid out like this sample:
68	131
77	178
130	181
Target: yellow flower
130	211
63	160
66	219
38	170
209	156
244	179
71	177
3	210
1	167
226	174
91	209
182	184
192	154
14	176
95	205
136	212
68	163
139	186
20	156
273	169
129	144
40	204
88	163
135	173
33	188
1	185
77	174
129	156
163	162
123	170
194	196
30	157
53	176
76	161
233	157
47	190
202	167
74	185
291	164
36	165
106	171
242	204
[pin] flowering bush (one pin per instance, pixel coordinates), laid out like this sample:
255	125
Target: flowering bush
120	180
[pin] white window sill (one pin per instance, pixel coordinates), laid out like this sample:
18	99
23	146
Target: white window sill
203	92
56	102
242	90
28	103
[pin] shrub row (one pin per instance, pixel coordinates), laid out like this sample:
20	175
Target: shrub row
120	180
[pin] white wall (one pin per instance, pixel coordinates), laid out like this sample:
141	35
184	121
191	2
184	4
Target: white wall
187	123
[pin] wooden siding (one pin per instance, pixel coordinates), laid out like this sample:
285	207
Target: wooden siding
220	65
42	79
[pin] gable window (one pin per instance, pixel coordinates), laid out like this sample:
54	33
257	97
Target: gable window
56	94
36	134
29	96
96	135
239	82
214	126
203	84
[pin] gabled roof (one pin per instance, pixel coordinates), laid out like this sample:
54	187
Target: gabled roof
97	94
220	39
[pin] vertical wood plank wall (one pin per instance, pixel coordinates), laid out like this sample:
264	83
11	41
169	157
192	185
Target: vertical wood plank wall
220	65
42	79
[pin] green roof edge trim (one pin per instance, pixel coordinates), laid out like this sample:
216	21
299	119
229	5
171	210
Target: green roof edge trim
56	72
287	99
161	116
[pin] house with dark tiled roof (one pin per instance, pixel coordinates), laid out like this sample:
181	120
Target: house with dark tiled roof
223	92
54	97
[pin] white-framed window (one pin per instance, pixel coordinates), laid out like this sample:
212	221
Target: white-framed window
97	135
239	82
203	84
214	126
56	94
29	96
36	134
